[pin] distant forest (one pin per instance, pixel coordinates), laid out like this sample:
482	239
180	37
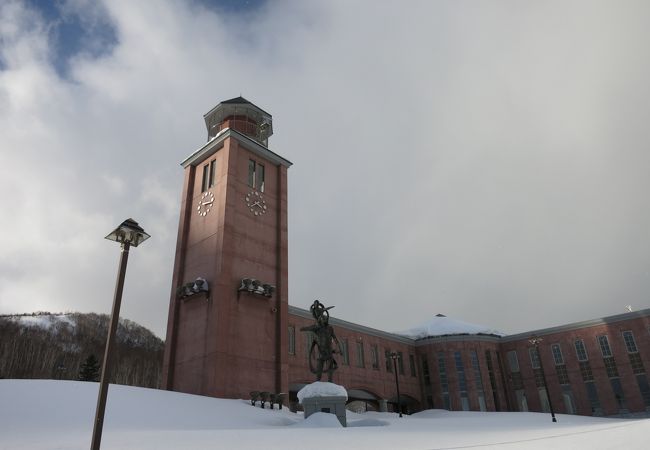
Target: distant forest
55	346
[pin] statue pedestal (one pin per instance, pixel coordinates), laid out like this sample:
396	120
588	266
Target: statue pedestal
332	405
324	397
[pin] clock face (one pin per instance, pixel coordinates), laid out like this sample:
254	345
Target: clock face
205	203
255	202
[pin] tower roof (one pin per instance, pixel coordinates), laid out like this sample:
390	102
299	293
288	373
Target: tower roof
256	122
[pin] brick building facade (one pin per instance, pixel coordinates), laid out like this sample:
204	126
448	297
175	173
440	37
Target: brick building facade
231	330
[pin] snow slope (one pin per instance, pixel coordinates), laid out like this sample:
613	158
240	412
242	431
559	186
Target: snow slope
39	415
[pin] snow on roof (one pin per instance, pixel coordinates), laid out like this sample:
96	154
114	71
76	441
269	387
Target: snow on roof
442	325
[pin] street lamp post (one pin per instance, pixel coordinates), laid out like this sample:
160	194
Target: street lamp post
128	234
394	356
535	341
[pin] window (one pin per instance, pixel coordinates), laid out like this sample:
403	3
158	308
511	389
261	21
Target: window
462	381
630	344
604	346
636	363
493	380
209	175
206	178
360	356
539	377
310	338
389	362
400	363
594	402
477	370
618	392
345	355
610	367
562	375
412	365
557	354
644	388
374	357
259	178
251	173
585	371
477	380
256	175
213	170
513	362
581	351
292	340
534	357
444	381
425	371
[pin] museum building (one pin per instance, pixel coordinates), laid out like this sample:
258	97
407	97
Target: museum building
232	331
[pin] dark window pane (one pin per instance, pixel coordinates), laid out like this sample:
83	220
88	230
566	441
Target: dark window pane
346	354
630	344
412	365
534	357
557	354
425	371
636	363
644	388
618	392
360	356
513	362
205	180
562	375
259	177
442	371
592	393
604	346
374	355
585	371
251	173
213	169
292	340
610	367
581	351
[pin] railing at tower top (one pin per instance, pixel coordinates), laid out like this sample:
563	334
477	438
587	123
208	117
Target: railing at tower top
245	125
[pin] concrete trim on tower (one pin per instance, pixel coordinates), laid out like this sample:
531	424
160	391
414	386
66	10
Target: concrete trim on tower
215	143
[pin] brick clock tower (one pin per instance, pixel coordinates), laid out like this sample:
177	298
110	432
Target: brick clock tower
227	327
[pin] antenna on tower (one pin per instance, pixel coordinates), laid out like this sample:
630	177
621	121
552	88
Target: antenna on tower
629	308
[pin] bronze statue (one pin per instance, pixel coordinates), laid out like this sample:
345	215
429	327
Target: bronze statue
324	341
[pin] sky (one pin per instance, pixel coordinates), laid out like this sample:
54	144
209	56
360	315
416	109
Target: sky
484	160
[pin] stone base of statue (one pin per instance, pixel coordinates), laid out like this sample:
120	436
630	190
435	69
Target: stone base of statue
322	396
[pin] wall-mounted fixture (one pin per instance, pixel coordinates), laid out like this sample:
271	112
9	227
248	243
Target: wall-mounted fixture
253	286
193	287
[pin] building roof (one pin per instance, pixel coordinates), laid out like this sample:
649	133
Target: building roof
237	101
441	325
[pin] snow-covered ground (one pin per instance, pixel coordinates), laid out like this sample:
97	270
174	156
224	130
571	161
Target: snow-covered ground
44	414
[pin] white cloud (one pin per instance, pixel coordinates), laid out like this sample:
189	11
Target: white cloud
455	157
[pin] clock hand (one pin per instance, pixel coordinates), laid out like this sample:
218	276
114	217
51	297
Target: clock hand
208	203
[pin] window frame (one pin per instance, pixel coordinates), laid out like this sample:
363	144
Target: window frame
584	349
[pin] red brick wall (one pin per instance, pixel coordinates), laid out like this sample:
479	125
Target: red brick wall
566	338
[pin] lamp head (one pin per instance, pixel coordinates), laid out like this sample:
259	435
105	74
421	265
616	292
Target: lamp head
129	232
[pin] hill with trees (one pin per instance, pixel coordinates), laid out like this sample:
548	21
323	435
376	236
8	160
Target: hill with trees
71	347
